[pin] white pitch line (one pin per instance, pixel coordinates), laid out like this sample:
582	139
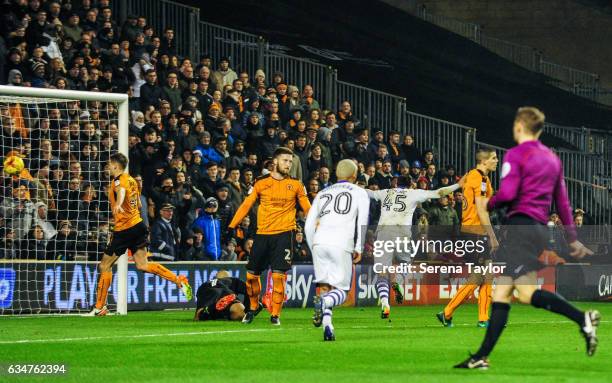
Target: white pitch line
196	333
22	341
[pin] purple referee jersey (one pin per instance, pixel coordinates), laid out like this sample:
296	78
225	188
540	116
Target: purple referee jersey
531	178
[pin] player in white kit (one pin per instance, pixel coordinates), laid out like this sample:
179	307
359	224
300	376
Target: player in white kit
396	211
334	229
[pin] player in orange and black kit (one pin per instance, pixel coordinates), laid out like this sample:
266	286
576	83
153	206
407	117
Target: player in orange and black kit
476	226
129	233
277	194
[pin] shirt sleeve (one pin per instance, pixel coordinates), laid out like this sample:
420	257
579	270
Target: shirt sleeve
310	225
362	221
302	197
510	183
244	208
563	207
376	195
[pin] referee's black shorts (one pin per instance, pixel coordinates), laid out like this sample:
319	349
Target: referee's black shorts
271	250
134	238
522	242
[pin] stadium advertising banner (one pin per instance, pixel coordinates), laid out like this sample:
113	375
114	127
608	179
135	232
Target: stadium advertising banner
64	287
585	282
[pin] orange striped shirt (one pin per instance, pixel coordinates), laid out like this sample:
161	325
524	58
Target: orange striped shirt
130	216
476	185
277	201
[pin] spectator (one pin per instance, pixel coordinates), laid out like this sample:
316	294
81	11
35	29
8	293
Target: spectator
229	251
384	176
410	151
168	43
65	244
224	75
432	179
210	226
313	188
268	143
18	211
442	214
308	101
172	93
246	251
237	190
345	113
34	245
165	235
8	247
226	209
150	93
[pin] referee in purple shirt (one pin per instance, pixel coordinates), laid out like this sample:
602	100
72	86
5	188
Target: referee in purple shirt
531	179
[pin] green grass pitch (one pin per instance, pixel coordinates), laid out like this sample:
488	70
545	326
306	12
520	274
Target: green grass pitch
537	346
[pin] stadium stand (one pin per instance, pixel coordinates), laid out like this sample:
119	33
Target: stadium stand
201	127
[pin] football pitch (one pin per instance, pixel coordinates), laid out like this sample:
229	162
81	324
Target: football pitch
537	346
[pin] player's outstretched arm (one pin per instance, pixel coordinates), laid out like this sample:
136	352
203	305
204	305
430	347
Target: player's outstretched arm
363	210
310	226
244	208
302	198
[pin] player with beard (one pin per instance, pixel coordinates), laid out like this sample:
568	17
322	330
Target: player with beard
277	194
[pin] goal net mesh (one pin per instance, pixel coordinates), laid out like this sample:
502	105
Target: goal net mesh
54	214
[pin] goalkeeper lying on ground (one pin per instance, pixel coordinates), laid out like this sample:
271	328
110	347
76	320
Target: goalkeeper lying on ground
218	298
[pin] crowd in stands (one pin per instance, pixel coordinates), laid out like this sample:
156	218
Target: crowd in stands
200	134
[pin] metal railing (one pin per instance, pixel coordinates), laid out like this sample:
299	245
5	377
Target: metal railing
522	55
452	143
375	109
243	49
588	140
579	82
568	75
583	166
595	200
302	71
163	14
467	30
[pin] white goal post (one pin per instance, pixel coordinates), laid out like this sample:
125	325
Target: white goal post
48	126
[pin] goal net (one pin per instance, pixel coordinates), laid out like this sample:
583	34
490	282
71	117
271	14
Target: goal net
54	214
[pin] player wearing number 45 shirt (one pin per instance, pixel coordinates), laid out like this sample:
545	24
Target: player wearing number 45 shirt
130	233
398	206
334	230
